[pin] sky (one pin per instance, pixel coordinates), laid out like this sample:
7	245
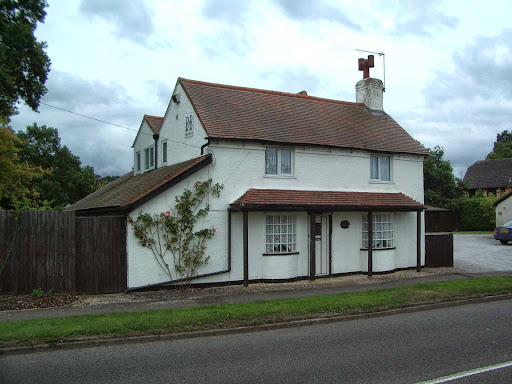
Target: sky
447	64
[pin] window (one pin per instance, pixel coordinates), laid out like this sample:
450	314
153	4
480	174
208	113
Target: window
382	231
189	125
138	161
380	168
281	236
164	152
149	158
278	161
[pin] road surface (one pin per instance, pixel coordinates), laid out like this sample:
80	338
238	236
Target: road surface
406	348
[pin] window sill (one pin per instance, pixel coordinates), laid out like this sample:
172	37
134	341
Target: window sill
281	254
380	182
378	249
280	176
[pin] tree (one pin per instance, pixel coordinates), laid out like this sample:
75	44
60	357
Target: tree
439	183
67	181
15	176
502	146
25	64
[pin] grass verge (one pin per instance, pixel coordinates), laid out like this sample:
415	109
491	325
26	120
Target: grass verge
255	313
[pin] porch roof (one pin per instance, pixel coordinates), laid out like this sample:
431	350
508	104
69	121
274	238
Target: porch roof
294	200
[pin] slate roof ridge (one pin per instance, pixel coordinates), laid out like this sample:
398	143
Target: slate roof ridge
269	92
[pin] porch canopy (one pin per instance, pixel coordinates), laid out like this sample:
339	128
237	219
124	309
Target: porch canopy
324	201
320	201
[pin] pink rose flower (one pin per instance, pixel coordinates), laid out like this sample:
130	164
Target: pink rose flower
214	229
166	214
195	185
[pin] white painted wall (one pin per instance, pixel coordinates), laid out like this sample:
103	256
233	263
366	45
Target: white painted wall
240	167
180	147
143	140
504	212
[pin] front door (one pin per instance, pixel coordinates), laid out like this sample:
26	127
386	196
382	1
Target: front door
322	245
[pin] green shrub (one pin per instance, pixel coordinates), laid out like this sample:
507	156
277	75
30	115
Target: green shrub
477	213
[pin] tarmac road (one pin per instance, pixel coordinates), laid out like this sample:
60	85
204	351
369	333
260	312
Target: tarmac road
480	254
405	348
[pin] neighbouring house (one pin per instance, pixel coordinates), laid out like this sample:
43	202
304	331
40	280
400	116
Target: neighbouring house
313	187
490	176
503	209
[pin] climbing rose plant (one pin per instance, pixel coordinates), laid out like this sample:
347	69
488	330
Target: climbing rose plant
171	236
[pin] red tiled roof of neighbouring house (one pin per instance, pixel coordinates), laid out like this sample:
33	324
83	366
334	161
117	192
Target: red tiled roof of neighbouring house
154	122
486	174
238	113
129	191
277	199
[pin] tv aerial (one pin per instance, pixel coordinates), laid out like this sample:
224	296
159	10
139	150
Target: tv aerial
381	54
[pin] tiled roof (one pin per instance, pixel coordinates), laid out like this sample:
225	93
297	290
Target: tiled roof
277	199
154	122
129	190
486	174
238	113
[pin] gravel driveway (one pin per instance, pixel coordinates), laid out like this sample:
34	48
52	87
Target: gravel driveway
481	253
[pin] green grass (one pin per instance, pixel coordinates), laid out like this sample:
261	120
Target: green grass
231	315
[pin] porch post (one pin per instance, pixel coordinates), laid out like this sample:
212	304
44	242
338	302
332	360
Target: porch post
418	241
370	243
246	247
312	257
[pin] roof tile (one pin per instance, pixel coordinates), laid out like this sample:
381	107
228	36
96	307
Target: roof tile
229	112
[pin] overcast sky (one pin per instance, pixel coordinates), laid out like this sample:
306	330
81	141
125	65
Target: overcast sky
448	64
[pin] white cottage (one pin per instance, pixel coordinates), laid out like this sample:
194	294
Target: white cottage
313	187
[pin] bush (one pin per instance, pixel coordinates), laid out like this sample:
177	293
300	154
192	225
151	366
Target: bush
476	213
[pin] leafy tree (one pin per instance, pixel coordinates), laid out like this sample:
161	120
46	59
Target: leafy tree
502	146
439	182
68	181
25	64
15	176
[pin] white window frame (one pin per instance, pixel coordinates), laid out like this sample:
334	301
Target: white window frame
383	232
138	161
280	237
279	163
189	125
149	158
380	178
164	152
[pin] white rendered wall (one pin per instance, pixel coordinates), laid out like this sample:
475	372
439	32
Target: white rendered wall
179	147
504	212
240	167
143	140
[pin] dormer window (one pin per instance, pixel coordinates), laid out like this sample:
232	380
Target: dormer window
189	125
278	161
149	156
137	161
164	152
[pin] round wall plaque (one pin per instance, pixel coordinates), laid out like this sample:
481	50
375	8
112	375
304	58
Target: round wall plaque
345	224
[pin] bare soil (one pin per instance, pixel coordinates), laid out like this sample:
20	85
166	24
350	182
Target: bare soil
14	302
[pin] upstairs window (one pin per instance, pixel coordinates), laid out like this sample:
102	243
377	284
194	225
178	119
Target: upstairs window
189	125
149	156
278	161
164	152
380	168
383	236
137	161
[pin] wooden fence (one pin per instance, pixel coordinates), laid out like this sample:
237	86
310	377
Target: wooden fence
439	250
57	250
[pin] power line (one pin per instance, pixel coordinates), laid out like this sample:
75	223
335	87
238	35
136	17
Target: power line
116	125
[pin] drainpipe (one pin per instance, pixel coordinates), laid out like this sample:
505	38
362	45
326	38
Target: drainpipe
156	136
208	142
